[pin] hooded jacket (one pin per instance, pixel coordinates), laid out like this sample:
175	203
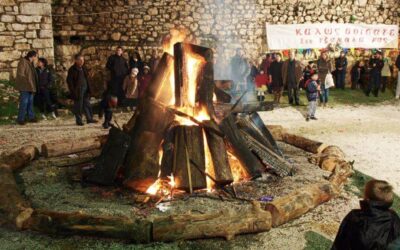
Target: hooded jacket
373	226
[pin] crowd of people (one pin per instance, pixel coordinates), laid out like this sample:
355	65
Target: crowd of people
128	81
274	75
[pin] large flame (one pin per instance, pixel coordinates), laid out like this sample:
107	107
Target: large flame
238	172
175	36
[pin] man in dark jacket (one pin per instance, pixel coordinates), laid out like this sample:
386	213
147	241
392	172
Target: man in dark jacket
398	77
45	82
26	82
78	85
119	69
376	65
292	73
341	67
275	74
375	225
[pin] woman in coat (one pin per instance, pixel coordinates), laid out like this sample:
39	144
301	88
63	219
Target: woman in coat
324	68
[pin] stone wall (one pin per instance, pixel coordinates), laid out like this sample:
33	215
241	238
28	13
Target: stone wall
220	24
24	26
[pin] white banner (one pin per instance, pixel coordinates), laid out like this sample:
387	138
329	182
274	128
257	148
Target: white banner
304	36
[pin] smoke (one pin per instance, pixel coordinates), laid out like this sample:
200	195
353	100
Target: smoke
231	31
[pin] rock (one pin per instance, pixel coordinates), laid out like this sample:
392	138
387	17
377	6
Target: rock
153	11
46	34
6	41
7	18
35	8
42	43
10	55
18	27
29	19
116	36
5	76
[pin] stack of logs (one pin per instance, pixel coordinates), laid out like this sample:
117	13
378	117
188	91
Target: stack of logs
15	210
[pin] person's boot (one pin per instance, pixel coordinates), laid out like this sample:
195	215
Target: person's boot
21	123
78	121
33	120
53	114
307	118
44	117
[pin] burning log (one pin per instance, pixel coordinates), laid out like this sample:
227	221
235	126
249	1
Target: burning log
238	147
194	76
62	223
221	170
72	146
299	202
189	145
142	163
222	224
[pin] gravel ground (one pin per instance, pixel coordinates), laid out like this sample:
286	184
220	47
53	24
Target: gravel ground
367	134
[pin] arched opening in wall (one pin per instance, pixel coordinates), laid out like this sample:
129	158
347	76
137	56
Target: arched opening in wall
77	40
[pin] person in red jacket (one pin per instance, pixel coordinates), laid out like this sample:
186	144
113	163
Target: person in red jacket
261	81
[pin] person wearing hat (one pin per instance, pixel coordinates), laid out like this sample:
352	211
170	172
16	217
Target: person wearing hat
376	64
130	87
341	66
144	80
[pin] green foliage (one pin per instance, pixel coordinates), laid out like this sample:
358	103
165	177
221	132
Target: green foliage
316	241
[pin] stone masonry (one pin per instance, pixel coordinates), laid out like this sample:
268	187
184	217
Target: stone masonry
221	24
24	25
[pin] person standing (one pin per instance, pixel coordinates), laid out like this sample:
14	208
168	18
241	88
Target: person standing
292	73
131	88
144	80
275	74
261	82
135	61
341	67
386	73
239	69
154	60
265	64
398	77
78	85
26	82
324	67
312	87
376	65
119	69
45	82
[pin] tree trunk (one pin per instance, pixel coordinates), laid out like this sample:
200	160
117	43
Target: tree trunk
299	202
12	204
72	146
62	223
189	145
21	157
238	148
221	171
221	224
302	142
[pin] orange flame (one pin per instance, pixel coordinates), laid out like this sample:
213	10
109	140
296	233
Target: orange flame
175	36
238	172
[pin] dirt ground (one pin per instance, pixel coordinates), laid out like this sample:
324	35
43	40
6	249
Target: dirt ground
367	134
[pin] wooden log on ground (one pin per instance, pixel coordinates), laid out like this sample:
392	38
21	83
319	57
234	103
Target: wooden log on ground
72	146
21	157
277	131
12	205
299	202
62	223
330	157
222	224
189	145
238	147
221	170
303	143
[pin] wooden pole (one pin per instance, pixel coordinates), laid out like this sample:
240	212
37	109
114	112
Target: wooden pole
72	146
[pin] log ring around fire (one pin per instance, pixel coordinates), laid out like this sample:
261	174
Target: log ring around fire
16	211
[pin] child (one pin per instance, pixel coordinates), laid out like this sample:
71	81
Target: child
307	72
312	89
373	226
131	88
45	81
107	104
261	81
